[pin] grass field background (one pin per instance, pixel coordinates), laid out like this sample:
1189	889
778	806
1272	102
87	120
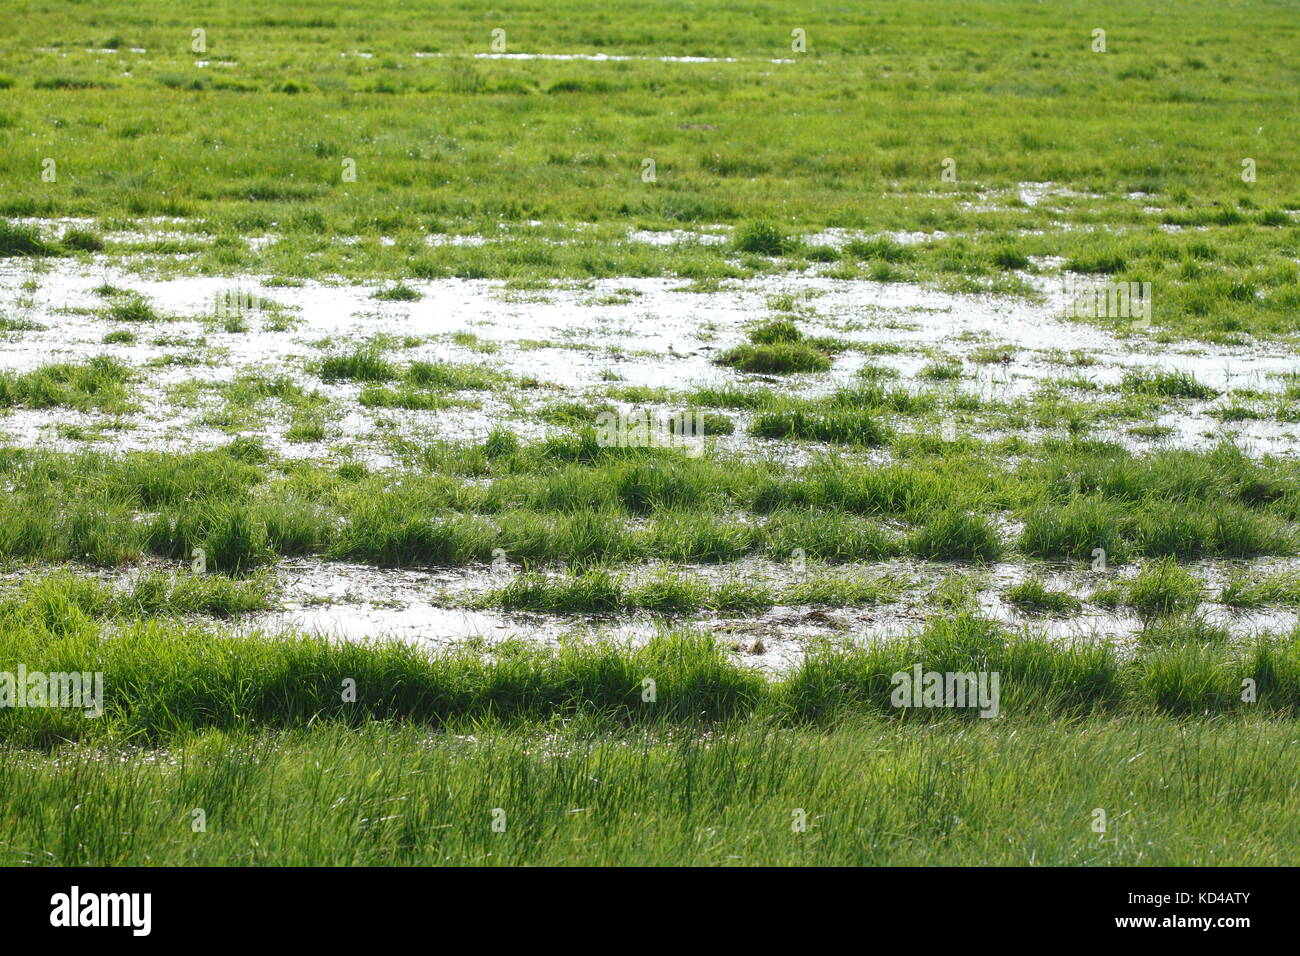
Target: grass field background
852	133
459	265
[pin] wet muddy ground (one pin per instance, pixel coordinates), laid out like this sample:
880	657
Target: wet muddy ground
574	341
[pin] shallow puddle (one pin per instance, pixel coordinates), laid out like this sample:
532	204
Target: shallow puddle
570	341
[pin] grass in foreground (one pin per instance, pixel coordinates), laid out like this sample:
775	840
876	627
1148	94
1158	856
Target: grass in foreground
669	753
868	792
163	678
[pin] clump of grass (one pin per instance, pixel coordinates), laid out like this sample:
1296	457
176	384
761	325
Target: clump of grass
1163	588
214	595
1246	590
1097	263
774	331
955	534
942	370
600	591
236	538
1151	432
424	384
595	591
1173	630
852	589
20	325
98	383
826	536
119	337
1075	530
994	355
132	307
362	364
842	426
1165	384
764	238
1223	529
82	240
1033	596
305	428
879	248
469	340
415	399
778	347
783	358
452	376
1009	257
711	423
56	599
572	413
400	292
398	530
19	240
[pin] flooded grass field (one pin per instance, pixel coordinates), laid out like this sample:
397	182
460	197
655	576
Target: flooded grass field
393	412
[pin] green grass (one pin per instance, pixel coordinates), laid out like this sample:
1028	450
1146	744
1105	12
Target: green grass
23	240
870	793
775	331
953	534
1160	589
767	148
669	592
943	370
362	364
567	498
822	169
59	599
763	238
779	347
131	308
401	292
452	376
844	589
1033	596
1249	590
597	591
1166	384
779	358
306	428
249	721
839	426
419	399
100	383
82	240
164	678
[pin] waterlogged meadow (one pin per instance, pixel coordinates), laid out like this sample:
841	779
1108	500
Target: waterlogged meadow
675	436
